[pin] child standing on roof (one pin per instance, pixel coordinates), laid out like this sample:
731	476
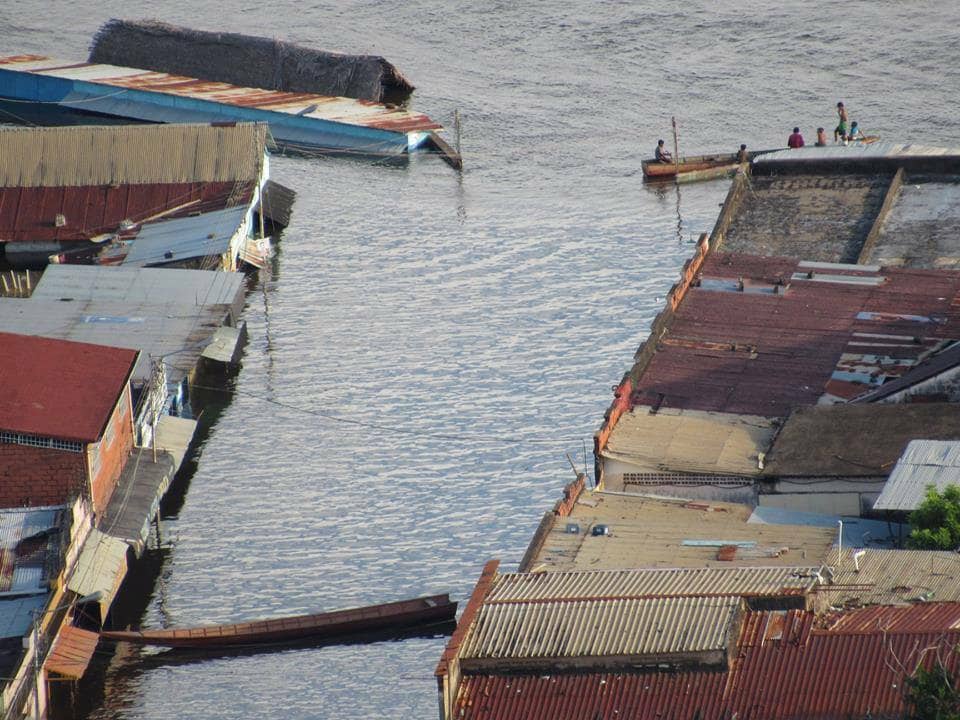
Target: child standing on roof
840	132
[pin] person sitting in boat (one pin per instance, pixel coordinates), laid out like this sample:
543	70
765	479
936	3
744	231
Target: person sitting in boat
662	154
795	140
821	137
742	154
855	132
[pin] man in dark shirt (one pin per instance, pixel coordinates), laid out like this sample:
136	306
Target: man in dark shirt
662	154
795	140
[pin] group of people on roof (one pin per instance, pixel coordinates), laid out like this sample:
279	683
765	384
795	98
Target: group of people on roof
841	133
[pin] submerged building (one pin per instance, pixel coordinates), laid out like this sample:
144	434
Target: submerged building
741	554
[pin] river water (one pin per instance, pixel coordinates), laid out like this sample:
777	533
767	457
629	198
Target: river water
429	346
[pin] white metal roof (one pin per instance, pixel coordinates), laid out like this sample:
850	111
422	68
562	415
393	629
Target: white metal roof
923	463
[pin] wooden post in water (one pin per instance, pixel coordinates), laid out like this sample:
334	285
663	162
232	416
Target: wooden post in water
676	145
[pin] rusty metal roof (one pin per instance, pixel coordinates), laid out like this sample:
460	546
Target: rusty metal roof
30	214
922	618
795	333
335	109
60	389
784	669
583	629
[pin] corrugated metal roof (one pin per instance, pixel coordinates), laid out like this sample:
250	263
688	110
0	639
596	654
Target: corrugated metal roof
923	463
590	696
64	390
784	669
101	566
852	440
653	582
601	627
131	154
765	354
17	614
334	109
71	652
93	211
162	312
29	549
892	577
187	237
923	618
690	441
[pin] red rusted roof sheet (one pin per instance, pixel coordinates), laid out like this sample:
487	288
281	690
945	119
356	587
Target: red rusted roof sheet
784	669
761	353
60	389
29	214
71	652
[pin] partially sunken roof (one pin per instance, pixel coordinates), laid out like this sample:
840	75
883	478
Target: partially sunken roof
923	463
58	389
866	440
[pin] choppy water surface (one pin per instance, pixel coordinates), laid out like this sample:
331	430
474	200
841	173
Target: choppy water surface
477	321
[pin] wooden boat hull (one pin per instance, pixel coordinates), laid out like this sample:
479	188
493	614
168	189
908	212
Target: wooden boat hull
654	170
338	623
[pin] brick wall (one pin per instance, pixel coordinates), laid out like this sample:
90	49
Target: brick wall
39	476
112	452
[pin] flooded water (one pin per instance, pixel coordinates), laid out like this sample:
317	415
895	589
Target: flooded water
429	345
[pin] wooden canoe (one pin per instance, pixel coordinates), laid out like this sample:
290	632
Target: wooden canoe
654	170
338	623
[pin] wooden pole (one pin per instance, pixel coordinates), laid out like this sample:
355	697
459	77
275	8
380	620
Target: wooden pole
676	145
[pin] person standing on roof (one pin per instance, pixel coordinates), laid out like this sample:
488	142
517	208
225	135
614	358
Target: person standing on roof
662	154
742	155
840	132
795	141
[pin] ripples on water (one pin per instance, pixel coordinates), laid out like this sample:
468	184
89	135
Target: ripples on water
486	318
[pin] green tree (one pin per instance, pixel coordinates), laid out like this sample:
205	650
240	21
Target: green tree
936	522
932	695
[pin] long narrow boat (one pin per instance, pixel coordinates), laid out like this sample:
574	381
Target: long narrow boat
656	170
338	623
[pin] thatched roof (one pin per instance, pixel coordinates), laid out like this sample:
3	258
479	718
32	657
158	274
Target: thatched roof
246	60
